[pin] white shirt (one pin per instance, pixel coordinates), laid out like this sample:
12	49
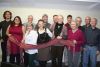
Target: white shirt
31	38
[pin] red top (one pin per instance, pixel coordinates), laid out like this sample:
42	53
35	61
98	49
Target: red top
68	26
79	37
15	31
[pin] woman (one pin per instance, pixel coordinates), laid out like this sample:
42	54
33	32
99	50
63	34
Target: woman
44	35
17	31
76	36
30	38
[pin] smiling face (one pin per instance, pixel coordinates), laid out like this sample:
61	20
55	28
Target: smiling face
29	27
55	19
17	21
45	18
60	19
74	25
87	20
93	22
79	21
41	24
7	15
69	19
30	18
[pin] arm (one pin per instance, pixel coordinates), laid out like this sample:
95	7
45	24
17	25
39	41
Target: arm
0	29
49	33
23	30
7	32
64	33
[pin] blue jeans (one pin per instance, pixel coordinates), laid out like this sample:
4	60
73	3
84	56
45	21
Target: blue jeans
89	52
73	59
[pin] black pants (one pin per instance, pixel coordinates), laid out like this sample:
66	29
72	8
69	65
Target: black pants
42	63
4	50
26	58
14	57
57	54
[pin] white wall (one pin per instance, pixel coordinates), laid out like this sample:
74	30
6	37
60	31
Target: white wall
38	12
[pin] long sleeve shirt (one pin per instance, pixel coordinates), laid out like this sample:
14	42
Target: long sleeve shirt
3	26
79	37
92	37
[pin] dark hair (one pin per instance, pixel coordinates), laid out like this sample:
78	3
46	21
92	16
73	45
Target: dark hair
69	16
45	15
39	21
55	15
5	14
13	23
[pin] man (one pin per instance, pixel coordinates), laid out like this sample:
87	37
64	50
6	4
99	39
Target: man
59	32
30	21
55	20
45	18
3	26
87	23
92	44
69	20
79	21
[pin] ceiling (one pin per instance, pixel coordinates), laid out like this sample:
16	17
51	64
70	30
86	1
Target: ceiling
54	4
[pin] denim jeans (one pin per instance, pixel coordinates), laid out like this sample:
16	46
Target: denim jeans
73	59
89	52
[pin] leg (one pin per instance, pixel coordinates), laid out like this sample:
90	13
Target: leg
76	59
93	56
12	58
86	53
18	59
60	50
26	58
31	60
53	55
65	56
70	58
42	63
4	51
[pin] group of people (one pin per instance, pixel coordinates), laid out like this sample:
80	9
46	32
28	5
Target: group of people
76	43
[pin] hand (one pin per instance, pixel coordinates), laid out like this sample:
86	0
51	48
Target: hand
9	35
59	37
23	41
70	43
84	49
97	52
74	41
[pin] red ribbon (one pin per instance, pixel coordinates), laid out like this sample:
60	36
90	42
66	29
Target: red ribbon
40	46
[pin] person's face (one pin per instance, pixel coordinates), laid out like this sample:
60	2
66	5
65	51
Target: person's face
45	18
7	15
55	19
69	19
17	21
40	24
73	25
87	20
93	22
29	27
79	21
30	19
60	19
